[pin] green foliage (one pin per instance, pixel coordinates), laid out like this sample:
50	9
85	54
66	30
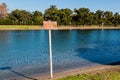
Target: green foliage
81	16
37	18
65	16
51	13
102	76
5	21
108	17
19	16
99	16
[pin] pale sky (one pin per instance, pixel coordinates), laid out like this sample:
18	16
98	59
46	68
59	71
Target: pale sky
41	5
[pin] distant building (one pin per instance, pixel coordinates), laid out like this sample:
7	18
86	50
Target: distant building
3	10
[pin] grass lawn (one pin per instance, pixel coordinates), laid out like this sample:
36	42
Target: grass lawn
18	26
99	76
40	27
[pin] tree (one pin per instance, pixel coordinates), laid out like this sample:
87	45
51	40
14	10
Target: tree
82	15
20	16
5	21
91	18
37	17
116	19
65	16
100	16
74	18
108	17
51	14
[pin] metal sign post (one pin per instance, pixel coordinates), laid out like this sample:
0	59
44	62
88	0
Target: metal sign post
50	25
50	49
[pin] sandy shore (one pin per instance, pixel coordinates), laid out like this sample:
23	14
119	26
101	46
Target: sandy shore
93	70
58	28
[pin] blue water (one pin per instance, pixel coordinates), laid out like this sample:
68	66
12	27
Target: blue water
24	53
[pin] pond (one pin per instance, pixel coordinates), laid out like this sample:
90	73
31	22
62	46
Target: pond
24	53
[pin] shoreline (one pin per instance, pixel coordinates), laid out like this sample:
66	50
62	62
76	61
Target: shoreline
71	72
115	66
92	70
30	27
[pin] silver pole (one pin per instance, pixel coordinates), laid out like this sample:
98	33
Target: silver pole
50	48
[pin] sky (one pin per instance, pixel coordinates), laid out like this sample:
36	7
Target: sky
41	5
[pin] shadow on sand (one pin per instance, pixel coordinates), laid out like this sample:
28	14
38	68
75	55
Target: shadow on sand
10	69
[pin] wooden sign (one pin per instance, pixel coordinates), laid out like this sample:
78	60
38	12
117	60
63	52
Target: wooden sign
50	24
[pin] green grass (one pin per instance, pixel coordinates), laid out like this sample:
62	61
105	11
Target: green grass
19	26
98	76
38	26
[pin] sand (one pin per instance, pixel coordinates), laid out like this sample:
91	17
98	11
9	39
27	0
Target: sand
93	70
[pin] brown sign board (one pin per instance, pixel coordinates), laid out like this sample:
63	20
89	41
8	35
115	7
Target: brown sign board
50	24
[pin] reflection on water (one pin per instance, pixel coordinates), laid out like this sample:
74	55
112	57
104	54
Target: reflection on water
27	52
